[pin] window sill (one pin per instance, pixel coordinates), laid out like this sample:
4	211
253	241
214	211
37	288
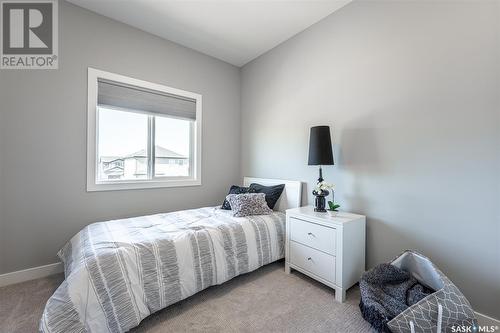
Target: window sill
138	185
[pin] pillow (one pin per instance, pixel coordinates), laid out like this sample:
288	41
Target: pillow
272	193
235	190
248	204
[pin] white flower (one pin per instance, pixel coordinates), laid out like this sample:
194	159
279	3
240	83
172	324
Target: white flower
324	186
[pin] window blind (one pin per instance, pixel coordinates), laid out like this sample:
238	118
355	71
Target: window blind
119	95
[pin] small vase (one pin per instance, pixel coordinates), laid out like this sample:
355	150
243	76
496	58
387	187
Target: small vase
333	213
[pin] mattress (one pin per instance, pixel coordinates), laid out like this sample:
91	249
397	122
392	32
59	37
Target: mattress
119	272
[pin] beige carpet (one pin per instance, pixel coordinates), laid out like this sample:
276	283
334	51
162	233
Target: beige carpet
266	300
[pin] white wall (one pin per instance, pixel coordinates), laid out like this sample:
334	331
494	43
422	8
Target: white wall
43	119
411	90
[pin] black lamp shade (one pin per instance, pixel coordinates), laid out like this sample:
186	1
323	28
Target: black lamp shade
320	146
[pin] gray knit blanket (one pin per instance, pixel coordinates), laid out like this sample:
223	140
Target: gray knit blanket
386	291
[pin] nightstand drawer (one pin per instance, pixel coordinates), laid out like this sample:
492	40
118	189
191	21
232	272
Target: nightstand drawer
313	235
314	261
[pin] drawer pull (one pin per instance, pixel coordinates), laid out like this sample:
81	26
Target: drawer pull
310	234
309	258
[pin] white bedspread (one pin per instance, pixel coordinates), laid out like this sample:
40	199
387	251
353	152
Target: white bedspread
119	272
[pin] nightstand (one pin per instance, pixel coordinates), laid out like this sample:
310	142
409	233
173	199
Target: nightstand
328	249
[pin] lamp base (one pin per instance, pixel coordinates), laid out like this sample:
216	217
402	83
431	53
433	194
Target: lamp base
320	202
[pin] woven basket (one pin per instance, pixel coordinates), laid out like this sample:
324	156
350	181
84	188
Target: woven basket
437	312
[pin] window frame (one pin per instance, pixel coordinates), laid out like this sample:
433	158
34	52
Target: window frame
93	184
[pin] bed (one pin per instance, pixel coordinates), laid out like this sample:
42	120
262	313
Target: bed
119	272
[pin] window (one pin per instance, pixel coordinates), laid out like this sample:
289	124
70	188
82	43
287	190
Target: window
141	134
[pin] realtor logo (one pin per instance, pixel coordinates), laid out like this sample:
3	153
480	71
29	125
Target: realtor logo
29	34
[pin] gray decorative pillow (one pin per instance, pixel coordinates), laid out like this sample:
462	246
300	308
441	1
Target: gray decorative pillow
248	204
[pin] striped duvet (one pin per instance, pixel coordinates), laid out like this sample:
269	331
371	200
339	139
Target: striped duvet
119	272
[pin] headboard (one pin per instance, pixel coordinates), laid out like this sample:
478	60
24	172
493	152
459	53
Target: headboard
290	198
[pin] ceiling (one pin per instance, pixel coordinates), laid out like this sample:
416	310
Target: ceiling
236	31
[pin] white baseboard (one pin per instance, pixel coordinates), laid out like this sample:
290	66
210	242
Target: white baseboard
485	320
30	274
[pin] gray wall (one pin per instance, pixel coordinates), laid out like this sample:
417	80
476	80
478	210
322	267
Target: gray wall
411	90
43	135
